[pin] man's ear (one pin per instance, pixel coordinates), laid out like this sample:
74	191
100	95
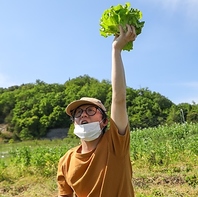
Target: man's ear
105	122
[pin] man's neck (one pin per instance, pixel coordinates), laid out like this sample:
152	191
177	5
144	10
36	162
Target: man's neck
89	146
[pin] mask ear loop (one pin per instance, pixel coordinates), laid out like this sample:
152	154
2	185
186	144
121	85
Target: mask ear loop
104	118
103	127
72	115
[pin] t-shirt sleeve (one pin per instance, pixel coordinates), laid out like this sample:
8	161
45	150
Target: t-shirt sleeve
119	143
63	187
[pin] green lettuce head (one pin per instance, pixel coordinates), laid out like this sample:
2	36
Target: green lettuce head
120	15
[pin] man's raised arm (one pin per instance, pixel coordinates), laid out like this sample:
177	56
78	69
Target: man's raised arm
118	107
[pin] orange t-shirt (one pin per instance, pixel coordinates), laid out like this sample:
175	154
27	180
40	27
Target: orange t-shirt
104	172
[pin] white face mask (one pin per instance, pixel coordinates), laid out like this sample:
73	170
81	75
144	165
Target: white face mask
88	132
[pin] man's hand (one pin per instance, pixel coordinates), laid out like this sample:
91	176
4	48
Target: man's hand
121	40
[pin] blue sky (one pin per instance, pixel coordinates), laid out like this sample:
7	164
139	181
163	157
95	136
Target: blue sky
57	40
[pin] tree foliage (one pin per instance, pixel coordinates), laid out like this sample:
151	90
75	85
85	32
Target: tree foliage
30	110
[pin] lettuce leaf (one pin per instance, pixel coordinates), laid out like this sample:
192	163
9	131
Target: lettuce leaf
120	15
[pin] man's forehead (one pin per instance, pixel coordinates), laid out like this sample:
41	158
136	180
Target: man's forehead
85	106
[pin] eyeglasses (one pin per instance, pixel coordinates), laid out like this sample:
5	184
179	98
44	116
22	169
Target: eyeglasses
90	111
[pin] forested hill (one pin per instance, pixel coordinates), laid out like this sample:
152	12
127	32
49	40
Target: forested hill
30	110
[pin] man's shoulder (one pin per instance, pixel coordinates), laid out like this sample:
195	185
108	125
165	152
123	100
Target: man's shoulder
69	153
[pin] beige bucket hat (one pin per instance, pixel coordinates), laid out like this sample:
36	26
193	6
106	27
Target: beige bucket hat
84	101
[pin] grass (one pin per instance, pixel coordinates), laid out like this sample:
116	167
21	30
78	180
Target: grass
164	159
30	186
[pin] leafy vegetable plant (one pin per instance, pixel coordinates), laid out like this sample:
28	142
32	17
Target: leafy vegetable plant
120	15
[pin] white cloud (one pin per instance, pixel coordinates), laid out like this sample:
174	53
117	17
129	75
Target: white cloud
187	7
193	84
192	7
170	4
187	99
181	92
5	81
191	92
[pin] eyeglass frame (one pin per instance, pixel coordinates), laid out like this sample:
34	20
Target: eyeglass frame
85	110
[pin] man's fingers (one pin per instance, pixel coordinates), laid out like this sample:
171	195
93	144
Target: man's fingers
121	30
131	31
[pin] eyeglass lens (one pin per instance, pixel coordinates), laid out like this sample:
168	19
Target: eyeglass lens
91	111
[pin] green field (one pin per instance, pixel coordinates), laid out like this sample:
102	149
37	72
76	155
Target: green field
164	159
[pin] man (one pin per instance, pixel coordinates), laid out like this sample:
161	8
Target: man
100	166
